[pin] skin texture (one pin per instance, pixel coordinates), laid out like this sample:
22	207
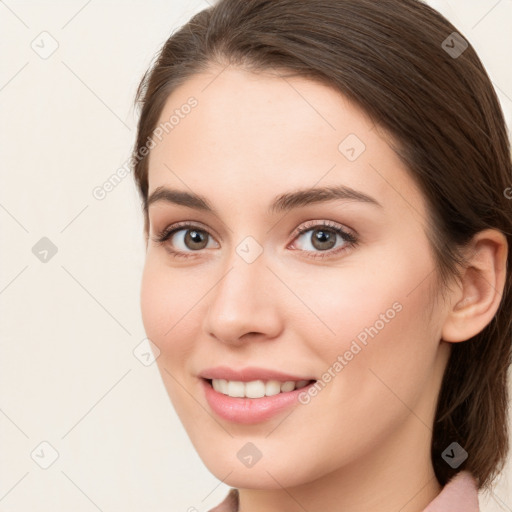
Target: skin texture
363	443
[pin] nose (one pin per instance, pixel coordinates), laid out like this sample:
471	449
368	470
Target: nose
244	303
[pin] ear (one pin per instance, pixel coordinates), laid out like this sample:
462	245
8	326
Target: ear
475	303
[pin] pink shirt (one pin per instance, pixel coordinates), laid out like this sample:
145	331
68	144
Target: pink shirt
460	494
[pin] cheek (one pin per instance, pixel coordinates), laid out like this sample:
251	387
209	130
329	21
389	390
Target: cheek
342	303
387	356
172	307
166	305
370	322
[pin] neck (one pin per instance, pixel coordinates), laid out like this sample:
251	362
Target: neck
391	476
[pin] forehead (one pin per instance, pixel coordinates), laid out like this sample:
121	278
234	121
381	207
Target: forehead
262	134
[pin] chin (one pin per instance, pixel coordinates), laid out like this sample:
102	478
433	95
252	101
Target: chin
254	462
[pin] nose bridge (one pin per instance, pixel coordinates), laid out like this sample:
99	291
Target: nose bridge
241	301
245	267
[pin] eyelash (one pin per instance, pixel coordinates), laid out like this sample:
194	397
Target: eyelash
351	240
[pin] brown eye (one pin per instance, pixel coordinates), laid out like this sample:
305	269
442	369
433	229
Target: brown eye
326	239
184	240
195	239
323	239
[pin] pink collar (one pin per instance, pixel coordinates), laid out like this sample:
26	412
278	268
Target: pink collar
460	494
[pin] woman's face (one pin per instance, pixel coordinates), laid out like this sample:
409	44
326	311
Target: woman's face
245	290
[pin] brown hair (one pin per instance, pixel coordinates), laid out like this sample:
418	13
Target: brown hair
392	58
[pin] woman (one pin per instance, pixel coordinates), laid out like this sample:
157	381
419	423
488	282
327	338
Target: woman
327	276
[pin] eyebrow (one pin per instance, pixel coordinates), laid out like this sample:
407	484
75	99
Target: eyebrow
281	203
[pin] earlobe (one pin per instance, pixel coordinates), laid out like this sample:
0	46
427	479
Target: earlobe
476	301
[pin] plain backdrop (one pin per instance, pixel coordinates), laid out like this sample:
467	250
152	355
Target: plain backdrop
85	422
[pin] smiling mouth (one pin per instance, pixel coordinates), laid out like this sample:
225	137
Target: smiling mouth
256	388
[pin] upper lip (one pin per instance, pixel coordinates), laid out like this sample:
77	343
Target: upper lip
248	374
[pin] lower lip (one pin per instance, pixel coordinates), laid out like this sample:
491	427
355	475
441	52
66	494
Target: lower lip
250	410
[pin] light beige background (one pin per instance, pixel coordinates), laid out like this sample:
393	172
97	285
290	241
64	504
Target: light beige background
69	377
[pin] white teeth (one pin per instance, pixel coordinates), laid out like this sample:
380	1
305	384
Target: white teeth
272	387
236	389
255	388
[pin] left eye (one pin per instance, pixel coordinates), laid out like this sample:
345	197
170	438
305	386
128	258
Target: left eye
322	238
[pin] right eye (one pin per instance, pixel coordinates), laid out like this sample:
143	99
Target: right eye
188	238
